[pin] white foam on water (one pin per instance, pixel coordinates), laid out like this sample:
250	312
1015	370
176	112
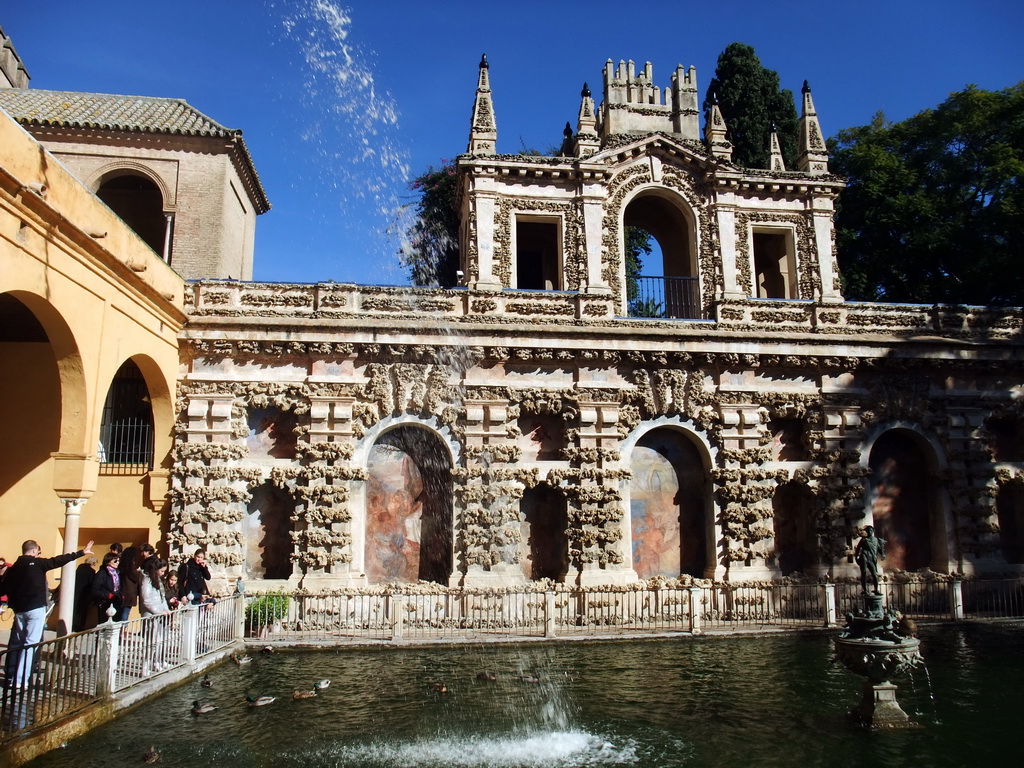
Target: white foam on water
561	749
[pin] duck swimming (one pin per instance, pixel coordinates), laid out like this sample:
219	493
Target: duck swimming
304	694
440	687
199	708
206	682
486	676
321	685
151	755
262	701
241	659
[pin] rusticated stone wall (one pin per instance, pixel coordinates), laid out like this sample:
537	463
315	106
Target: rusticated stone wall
512	405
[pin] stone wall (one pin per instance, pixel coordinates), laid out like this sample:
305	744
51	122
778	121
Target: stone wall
510	400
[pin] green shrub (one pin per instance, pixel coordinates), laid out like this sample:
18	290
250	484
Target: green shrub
266	609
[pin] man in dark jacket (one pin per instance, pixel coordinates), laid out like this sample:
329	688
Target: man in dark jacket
192	577
26	588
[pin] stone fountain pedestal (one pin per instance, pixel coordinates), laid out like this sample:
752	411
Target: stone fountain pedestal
876	644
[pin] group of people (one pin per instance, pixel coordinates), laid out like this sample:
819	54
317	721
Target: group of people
132	577
128	577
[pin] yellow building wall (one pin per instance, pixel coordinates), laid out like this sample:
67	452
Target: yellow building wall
103	297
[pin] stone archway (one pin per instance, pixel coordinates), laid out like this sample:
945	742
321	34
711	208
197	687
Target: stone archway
903	499
668	506
408	508
669	288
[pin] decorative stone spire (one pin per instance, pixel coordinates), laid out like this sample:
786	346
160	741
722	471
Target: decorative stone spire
483	132
715	130
813	157
775	162
587	141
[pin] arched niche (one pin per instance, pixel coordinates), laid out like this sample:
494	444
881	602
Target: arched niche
1010	513
669	506
544	543
796	540
139	201
268	541
904	500
408	535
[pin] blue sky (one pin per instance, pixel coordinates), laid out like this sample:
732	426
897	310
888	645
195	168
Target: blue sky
341	102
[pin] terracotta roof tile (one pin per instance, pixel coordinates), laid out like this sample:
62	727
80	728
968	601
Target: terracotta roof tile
72	109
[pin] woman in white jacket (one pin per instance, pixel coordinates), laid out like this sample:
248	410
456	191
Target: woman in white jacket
152	602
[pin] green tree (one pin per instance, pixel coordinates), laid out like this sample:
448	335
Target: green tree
934	210
431	248
751	101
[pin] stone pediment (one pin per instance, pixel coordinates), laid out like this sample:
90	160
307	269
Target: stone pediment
625	148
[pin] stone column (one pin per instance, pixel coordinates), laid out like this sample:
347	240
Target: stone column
72	516
593	214
486	280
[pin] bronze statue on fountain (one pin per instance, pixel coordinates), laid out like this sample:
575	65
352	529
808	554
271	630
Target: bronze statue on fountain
877	644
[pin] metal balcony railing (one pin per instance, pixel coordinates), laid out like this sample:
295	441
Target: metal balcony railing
671	298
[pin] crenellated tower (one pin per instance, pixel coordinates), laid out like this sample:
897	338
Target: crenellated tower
634	105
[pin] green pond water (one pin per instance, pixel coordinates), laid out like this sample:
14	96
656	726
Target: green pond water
774	700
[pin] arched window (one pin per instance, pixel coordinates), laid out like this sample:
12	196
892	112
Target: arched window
138	202
126	431
665	283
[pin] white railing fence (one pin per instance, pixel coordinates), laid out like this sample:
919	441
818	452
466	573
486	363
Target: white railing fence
49	680
434	612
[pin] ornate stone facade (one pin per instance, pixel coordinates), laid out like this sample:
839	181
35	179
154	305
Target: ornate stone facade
546	421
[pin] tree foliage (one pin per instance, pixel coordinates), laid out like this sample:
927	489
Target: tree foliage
431	248
751	101
934	210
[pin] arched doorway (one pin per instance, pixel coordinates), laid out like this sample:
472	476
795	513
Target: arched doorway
668	506
796	541
408	508
902	499
663	283
268	542
545	544
139	203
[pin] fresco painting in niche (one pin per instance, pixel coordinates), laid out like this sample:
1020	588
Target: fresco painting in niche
271	434
654	515
668	499
899	501
394	516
